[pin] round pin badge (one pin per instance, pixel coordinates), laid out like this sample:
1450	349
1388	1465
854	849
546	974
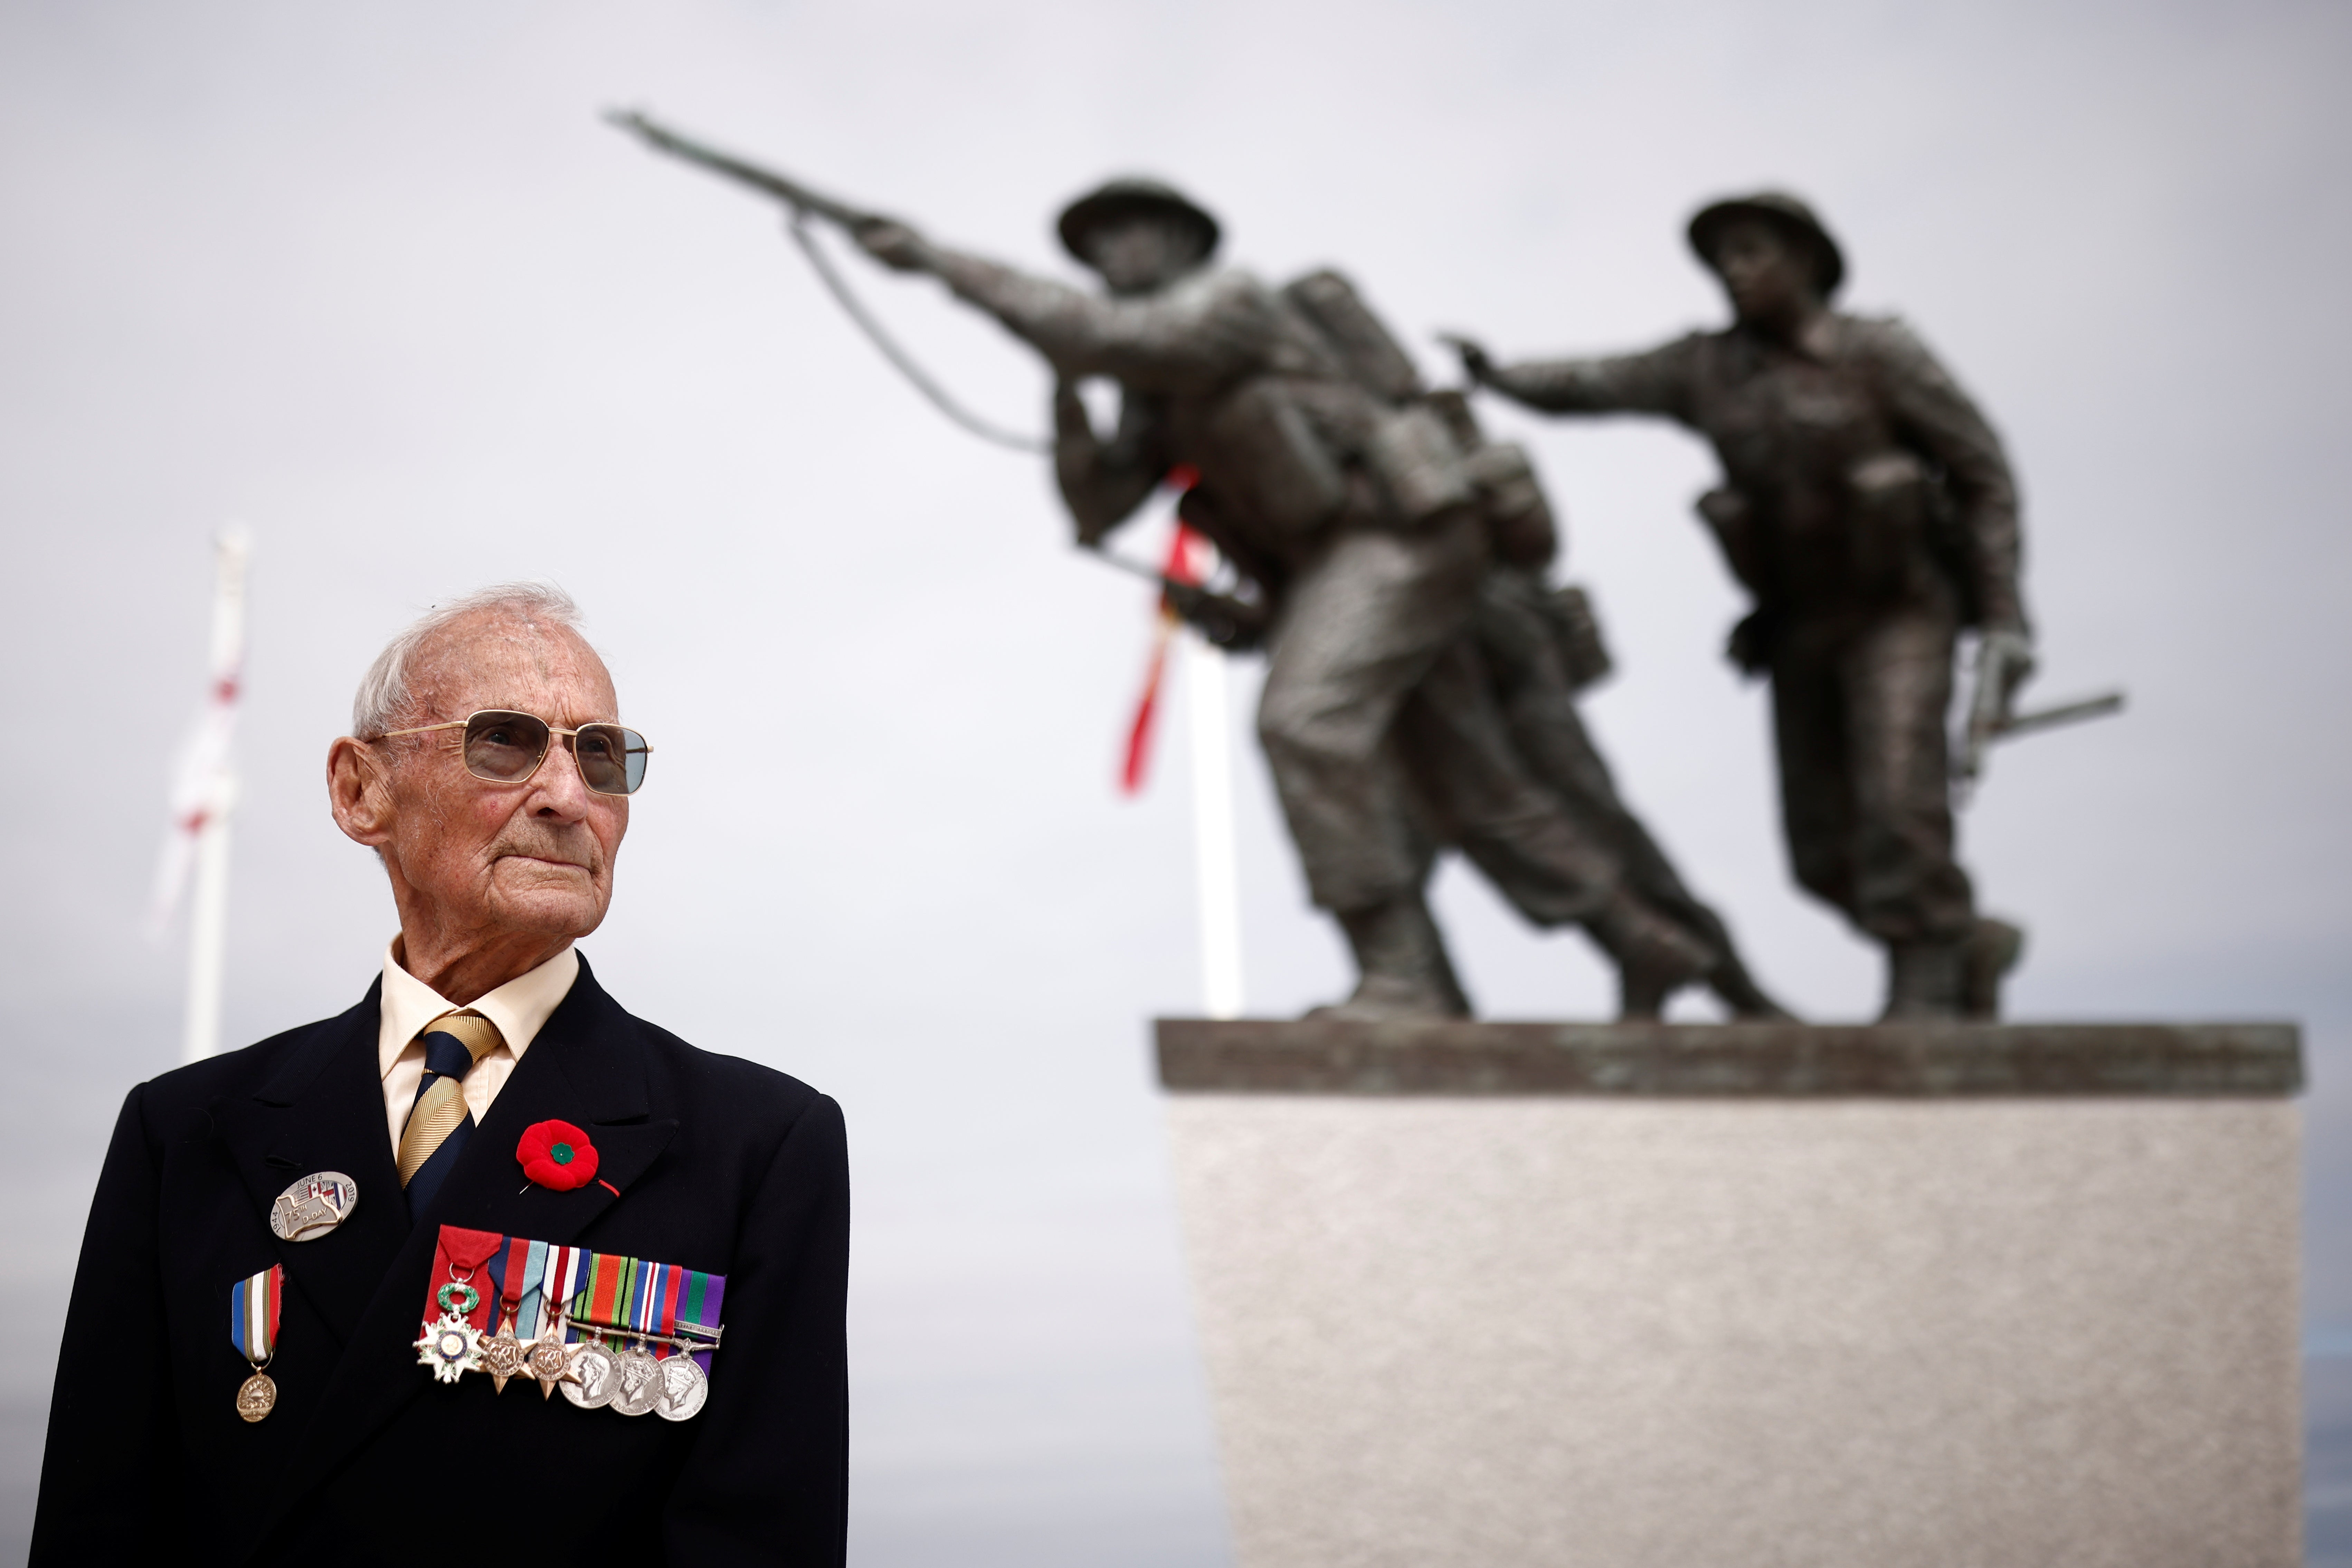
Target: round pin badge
313	1206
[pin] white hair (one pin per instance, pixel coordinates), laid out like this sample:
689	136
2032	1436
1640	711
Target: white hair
383	697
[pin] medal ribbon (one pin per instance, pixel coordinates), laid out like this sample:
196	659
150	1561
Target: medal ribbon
253	1308
509	1278
531	1309
605	1289
465	1255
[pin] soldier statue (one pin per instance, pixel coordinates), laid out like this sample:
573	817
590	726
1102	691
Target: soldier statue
1414	694
1869	509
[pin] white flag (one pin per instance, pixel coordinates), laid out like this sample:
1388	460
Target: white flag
203	786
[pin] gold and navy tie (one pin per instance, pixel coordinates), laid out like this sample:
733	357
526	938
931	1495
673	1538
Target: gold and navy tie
438	1123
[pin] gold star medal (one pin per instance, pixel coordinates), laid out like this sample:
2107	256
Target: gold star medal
503	1355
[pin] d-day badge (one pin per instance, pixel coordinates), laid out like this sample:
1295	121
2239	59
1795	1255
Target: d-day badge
313	1206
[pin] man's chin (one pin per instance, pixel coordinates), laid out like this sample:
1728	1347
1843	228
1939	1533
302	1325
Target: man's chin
536	895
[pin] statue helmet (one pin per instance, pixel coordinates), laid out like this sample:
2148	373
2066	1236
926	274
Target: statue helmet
1783	212
1128	197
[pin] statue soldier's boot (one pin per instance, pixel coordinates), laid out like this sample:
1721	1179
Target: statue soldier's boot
1993	950
1655	956
1401	958
1737	990
1926	979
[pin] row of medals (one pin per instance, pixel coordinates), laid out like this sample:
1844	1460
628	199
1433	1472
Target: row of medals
591	1375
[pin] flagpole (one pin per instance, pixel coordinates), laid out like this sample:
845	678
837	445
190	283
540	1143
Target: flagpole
1216	859
208	912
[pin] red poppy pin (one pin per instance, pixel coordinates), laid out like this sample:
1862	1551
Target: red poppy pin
557	1154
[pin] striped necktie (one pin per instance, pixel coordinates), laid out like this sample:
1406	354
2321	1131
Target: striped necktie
438	1123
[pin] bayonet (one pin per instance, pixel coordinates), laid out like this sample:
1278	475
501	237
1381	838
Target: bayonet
1990	721
799	197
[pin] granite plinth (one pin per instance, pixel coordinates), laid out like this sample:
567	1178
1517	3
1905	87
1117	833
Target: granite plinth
1939	1059
1779	1294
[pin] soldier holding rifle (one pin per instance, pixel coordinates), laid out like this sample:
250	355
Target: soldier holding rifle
1368	518
1359	512
1869	508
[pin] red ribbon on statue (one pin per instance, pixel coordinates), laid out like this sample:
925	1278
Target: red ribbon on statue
1189	554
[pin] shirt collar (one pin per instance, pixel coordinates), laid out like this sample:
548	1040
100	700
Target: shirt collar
519	1008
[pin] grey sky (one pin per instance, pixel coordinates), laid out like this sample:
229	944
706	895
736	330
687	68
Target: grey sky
379	285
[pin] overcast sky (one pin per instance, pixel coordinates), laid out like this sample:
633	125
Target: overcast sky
378	284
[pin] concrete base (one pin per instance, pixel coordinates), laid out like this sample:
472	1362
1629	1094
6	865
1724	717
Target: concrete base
1627	1328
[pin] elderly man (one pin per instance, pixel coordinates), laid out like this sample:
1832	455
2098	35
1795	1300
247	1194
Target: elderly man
485	1174
1869	508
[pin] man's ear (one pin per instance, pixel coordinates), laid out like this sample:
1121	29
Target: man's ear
358	792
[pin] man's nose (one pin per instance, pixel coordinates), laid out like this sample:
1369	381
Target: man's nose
562	791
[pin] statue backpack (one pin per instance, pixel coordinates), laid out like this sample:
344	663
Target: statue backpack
1429	447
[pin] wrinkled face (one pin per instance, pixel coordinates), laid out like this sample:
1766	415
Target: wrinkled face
1769	277
1143	253
532	856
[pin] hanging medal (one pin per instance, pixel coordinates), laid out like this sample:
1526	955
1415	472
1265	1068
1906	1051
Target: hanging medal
636	1375
522	1295
502	1353
636	1380
553	1362
253	1309
572	1288
451	1344
674	1298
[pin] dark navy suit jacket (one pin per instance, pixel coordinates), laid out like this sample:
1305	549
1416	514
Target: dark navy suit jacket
721	1165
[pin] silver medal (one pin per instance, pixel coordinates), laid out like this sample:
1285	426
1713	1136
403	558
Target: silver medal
313	1206
684	1386
636	1381
593	1364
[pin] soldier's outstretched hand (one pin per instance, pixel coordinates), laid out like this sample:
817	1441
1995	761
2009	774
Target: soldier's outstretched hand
1475	363
894	244
2013	647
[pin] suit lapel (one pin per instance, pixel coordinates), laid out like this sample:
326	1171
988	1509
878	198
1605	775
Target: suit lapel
586	1067
323	1111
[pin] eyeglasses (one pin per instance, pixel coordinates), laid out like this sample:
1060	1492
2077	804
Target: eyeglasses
504	747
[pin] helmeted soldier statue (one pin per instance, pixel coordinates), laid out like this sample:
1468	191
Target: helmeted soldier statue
1368	523
1868	508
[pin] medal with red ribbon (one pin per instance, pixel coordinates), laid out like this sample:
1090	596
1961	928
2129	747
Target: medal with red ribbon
253	1309
451	1344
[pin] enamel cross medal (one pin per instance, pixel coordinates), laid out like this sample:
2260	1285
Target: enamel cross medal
450	1345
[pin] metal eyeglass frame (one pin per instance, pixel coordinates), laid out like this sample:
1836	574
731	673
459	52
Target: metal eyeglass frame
554	731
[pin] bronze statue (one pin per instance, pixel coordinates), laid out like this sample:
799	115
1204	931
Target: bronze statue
1370	523
1868	508
1417	694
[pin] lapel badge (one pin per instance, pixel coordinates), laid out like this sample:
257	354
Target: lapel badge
313	1206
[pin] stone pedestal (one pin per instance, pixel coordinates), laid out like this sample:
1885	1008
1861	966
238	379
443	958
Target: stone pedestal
1688	1296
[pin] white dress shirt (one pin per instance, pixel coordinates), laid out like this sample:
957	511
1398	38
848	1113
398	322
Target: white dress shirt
519	1008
